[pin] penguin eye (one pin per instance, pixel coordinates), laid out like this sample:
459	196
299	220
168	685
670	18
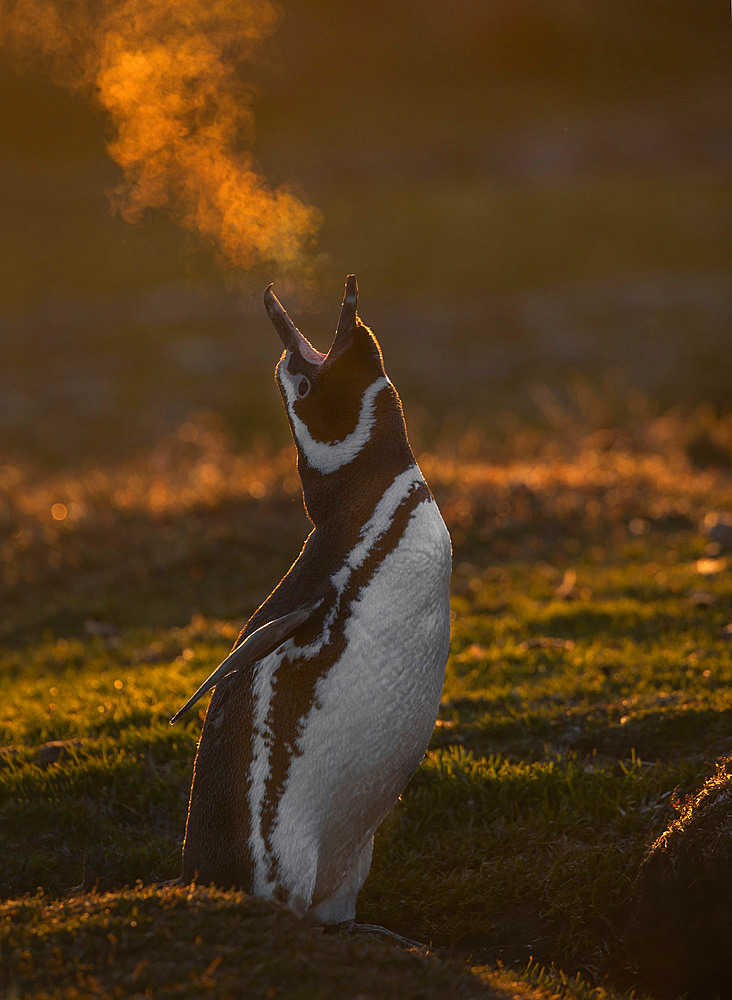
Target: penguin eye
303	387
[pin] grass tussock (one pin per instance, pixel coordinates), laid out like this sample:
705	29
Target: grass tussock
190	943
682	911
183	942
589	681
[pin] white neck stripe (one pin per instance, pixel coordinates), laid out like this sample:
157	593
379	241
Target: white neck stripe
377	526
329	456
383	514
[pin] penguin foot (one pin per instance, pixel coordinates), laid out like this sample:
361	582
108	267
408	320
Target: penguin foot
351	927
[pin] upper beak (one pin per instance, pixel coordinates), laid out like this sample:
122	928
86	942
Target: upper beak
289	333
347	319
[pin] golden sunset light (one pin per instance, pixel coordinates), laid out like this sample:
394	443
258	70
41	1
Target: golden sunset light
365	499
166	74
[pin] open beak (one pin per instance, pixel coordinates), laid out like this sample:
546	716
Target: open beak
294	340
289	333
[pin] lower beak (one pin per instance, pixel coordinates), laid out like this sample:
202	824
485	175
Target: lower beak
289	333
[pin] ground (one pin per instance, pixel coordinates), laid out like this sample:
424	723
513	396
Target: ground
536	201
588	688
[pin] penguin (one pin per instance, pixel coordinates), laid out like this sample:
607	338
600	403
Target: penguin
324	708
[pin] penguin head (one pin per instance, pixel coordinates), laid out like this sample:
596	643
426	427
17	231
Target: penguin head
344	413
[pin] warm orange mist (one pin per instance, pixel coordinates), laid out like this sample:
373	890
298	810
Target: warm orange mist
165	70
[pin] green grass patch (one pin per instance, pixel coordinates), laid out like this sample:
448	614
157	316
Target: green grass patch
590	679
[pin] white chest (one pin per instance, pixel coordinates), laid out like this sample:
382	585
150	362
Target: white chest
373	712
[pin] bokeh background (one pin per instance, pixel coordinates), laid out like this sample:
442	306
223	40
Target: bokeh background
535	197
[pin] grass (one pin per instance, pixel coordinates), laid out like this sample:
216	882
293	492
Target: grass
588	686
524	200
202	943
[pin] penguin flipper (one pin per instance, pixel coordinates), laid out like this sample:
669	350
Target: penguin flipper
256	646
